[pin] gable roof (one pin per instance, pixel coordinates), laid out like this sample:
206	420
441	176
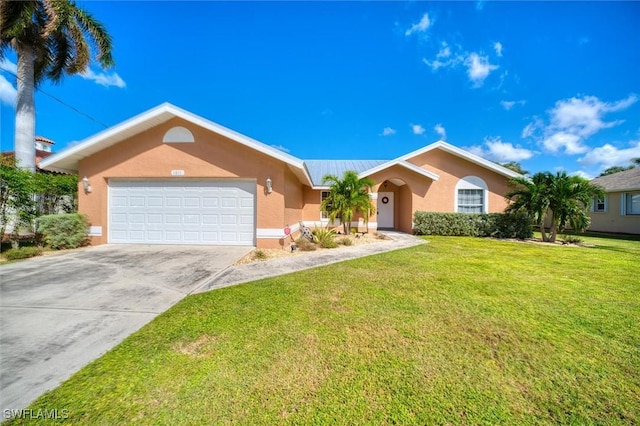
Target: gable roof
309	172
628	180
466	155
67	160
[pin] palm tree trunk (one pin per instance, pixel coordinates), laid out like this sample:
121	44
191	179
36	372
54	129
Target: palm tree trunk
544	235
25	110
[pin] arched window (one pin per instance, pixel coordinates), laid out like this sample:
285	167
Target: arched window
178	134
472	195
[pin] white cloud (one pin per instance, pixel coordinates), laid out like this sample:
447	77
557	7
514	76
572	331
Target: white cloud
507	105
573	120
608	155
571	143
7	65
497	150
104	79
440	130
420	27
480	5
478	65
497	46
281	148
7	92
417	129
387	131
478	68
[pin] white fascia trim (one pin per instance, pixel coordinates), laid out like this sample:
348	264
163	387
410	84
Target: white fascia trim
459	152
401	163
165	112
325	223
275	233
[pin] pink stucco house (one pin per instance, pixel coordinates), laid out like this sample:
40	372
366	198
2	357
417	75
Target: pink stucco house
168	176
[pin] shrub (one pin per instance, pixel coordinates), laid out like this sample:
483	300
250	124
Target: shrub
259	254
571	239
305	245
345	241
325	237
497	225
22	253
63	231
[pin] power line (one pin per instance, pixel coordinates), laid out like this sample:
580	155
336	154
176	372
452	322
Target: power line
71	107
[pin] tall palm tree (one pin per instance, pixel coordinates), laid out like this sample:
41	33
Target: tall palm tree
565	198
347	196
51	38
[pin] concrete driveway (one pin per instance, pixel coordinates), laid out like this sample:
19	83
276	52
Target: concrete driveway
58	313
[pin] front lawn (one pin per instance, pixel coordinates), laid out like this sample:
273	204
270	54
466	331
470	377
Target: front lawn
458	331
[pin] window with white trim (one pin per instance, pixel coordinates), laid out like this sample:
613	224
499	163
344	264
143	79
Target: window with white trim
599	204
631	203
471	195
323	214
470	200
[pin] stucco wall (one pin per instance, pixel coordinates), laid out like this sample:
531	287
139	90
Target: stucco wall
210	156
612	220
450	168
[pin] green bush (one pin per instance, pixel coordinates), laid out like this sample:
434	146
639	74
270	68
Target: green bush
325	238
62	231
496	225
22	253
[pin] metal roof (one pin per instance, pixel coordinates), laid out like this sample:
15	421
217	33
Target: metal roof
629	180
319	168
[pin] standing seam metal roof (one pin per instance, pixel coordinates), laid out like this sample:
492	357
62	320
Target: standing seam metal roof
319	168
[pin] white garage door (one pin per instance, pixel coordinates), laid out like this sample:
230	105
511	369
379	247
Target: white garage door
212	212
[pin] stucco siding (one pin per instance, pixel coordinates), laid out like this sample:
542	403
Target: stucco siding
612	220
210	156
450	169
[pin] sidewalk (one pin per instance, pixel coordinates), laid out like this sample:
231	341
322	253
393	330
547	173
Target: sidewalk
254	271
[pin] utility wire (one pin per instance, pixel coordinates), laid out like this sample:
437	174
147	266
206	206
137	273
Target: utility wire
59	100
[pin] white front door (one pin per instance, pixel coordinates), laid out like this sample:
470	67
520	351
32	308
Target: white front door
385	209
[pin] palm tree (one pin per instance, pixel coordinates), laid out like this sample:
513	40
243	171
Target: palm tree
347	196
51	38
531	196
566	198
569	199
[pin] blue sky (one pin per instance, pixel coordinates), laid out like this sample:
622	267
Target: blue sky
554	86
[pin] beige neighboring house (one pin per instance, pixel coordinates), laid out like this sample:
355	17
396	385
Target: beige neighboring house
168	176
619	211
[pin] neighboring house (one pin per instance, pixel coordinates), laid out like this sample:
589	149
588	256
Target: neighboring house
619	211
168	176
43	150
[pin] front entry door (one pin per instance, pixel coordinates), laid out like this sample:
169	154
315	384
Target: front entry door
385	209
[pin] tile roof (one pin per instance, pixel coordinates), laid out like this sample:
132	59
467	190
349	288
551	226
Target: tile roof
319	168
629	180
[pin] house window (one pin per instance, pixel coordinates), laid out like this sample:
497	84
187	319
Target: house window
471	195
632	203
470	201
323	196
600	204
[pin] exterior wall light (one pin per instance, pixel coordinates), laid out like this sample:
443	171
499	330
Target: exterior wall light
269	185
85	184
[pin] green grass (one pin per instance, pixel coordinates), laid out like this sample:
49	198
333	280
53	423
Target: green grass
458	331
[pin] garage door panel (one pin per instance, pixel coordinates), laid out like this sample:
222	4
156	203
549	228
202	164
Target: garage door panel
182	212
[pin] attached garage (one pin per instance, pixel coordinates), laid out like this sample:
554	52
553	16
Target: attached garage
182	211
